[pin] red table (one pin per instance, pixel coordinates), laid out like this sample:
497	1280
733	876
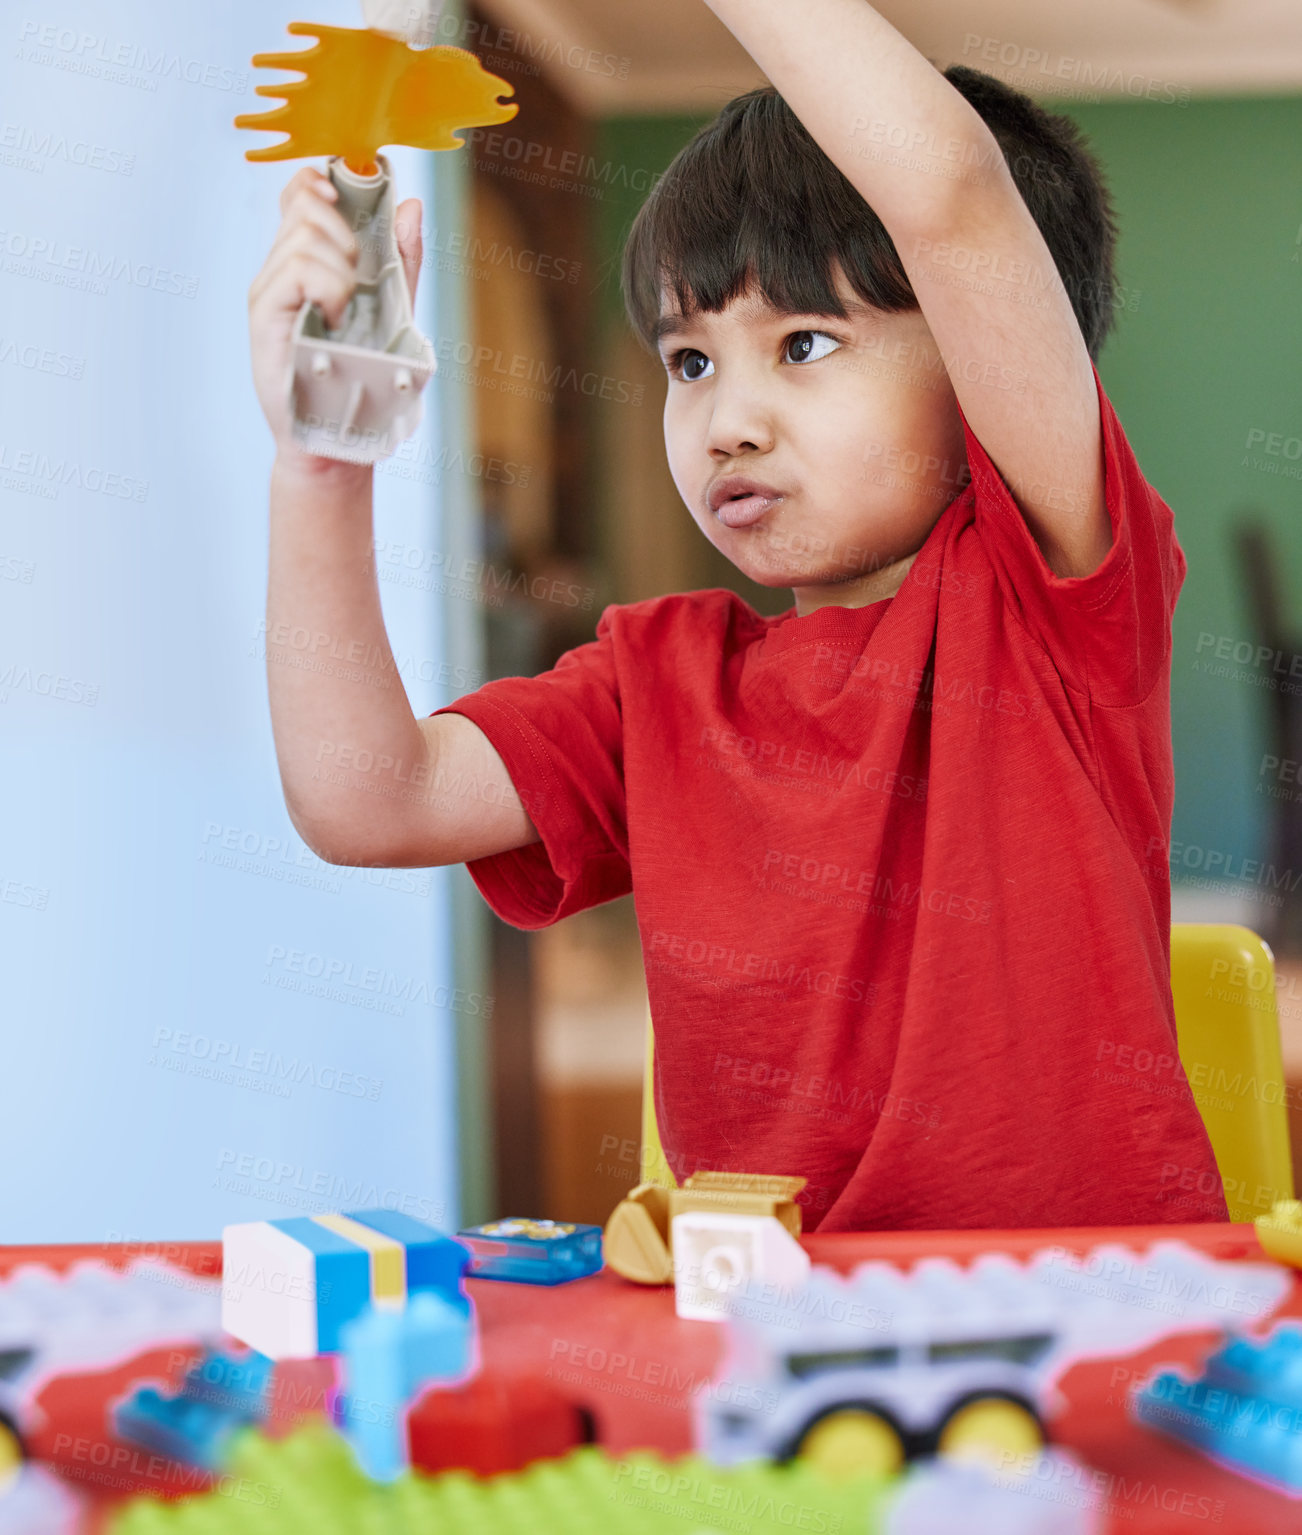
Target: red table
619	1348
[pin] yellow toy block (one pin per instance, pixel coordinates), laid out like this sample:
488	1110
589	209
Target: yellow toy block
1280	1232
638	1238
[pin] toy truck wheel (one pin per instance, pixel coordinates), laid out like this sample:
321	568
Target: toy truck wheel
853	1440
12	1451
990	1426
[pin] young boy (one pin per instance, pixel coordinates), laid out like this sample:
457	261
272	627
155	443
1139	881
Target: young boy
891	851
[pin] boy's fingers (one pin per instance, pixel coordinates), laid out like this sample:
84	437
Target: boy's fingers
406	227
310	211
314	254
308	178
303	242
306	275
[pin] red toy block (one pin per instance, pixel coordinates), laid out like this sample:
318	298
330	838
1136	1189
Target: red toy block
75	1437
494	1423
300	1389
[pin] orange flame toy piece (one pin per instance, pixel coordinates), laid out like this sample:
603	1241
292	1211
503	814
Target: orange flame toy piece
354	389
362	89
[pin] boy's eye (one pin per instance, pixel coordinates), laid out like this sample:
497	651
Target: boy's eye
805	341
686	363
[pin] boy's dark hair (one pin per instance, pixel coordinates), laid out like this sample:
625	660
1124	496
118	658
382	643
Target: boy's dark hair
753	197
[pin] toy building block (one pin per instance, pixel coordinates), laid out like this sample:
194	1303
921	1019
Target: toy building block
89	1318
940	1497
1280	1232
237	1382
220	1395
881	1366
1244	1409
319	1488
355	389
388	1356
532	1251
193	1433
639	1232
289	1286
301	1389
94	1317
36	1502
716	1253
492	1424
636	1239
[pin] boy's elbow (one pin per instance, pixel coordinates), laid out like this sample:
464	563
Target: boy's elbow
350	849
326	841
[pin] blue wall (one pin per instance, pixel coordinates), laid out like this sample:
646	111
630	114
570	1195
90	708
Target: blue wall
167	1063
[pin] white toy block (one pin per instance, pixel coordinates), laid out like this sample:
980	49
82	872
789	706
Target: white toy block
1054	1494
290	1287
96	1317
920	1343
36	1502
717	1255
269	1291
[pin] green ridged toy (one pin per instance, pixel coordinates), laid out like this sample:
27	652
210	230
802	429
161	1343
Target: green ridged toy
309	1484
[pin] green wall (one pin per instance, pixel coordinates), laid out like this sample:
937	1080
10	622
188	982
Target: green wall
1207	349
1209	204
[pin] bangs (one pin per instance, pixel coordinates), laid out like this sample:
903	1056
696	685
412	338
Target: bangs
751	200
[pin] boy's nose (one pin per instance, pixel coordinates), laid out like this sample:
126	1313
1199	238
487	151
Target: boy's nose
740	422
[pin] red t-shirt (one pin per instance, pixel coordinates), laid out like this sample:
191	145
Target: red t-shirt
900	871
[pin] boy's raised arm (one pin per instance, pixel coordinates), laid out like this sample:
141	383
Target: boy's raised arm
923	159
365	781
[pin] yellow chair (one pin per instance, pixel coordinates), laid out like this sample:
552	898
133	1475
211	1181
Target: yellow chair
654	1168
1223	986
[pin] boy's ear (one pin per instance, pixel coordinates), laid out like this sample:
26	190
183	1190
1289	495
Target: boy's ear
406	229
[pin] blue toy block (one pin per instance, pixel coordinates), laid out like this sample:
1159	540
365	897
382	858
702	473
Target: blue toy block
388	1357
435	1261
289	1286
532	1251
220	1395
194	1433
237	1382
342	1279
1244	1409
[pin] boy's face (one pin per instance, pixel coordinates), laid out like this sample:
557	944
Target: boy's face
853	423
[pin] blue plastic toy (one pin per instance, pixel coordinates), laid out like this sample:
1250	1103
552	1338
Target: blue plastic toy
221	1394
532	1251
1244	1410
289	1286
389	1356
237	1382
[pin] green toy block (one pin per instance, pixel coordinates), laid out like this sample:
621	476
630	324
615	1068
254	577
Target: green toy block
310	1481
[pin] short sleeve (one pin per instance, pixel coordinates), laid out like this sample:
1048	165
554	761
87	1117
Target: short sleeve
1108	633
560	735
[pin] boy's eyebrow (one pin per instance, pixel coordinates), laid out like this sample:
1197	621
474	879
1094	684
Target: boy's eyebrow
675	324
669	325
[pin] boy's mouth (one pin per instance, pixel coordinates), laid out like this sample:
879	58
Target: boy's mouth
737	500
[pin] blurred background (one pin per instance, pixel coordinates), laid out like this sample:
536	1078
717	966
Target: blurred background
202	1021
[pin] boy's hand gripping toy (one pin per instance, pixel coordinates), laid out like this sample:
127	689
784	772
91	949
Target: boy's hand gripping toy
356	389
